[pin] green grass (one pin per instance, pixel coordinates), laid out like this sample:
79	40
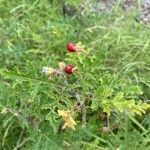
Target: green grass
34	34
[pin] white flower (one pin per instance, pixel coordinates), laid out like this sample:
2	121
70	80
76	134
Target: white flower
48	71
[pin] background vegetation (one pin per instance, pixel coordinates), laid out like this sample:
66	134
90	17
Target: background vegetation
113	79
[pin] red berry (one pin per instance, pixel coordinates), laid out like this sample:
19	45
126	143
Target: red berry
69	69
71	47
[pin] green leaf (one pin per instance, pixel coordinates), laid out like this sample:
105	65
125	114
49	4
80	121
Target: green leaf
52	118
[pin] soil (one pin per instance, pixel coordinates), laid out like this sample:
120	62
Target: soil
106	6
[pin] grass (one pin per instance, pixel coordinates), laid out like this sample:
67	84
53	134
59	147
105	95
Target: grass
34	34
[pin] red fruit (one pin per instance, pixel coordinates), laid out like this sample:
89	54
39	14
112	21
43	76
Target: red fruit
69	69
71	47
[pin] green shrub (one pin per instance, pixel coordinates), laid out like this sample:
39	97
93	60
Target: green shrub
105	99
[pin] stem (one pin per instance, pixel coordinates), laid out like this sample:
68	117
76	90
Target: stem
21	144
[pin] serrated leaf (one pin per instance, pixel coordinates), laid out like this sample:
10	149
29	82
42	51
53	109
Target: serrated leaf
52	118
